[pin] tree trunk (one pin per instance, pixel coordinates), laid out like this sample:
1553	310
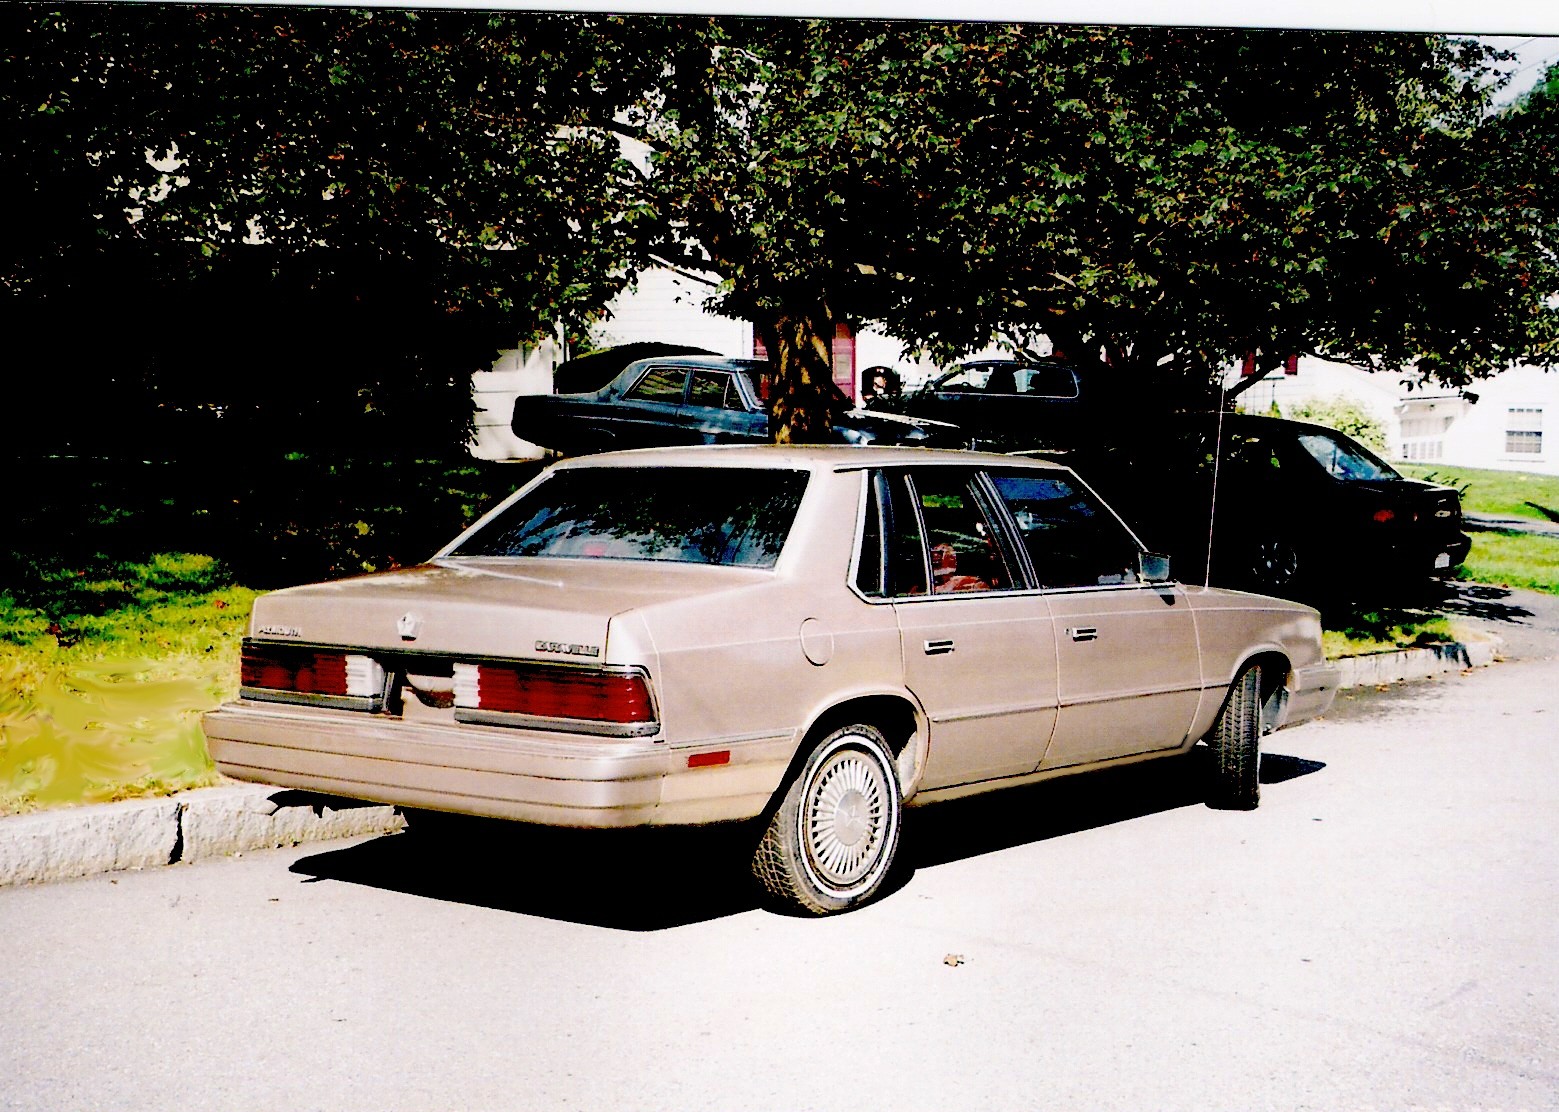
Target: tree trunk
804	403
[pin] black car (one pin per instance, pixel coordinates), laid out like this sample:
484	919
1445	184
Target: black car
1299	507
684	400
1007	403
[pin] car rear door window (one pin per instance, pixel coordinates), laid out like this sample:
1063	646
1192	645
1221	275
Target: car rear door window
714	390
661	384
1072	539
892	560
963	543
932	524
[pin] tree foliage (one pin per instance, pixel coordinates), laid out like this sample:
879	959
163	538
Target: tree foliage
1153	201
315	222
291	213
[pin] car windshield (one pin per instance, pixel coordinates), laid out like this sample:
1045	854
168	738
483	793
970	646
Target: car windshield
690	515
1344	459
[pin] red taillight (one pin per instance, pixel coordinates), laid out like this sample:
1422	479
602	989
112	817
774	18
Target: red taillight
608	698
297	674
308	672
1383	516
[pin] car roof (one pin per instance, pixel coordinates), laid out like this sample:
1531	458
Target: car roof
809	457
715	362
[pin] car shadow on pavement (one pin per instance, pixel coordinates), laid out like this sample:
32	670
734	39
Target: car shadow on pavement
952	831
1476	600
656	879
634	880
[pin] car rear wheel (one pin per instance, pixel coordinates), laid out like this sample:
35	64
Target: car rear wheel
832	839
1236	745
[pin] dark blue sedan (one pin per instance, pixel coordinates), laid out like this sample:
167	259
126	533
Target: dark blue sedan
687	400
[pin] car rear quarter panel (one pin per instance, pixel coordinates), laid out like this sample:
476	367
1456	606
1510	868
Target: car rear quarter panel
759	660
751	669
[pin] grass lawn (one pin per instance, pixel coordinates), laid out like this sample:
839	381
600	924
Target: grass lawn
1508	559
1497	493
104	672
1501	557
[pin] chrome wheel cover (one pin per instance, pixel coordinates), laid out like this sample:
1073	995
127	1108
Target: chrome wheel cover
848	819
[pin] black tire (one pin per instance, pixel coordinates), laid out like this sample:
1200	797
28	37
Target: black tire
1236	745
830	843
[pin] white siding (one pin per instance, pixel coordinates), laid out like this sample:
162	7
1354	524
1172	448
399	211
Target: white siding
665	307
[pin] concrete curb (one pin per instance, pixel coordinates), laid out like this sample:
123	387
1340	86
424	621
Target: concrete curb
213	822
1417	664
207	822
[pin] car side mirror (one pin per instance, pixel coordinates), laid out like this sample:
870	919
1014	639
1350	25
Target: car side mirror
1153	567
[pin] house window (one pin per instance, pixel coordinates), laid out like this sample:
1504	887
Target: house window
1524	431
1423	450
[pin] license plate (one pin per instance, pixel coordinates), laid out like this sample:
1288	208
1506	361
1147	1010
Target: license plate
1443	560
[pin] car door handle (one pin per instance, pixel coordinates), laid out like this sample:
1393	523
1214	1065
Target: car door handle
1083	633
937	648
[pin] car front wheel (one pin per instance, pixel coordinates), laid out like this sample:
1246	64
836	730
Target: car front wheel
831	841
1236	745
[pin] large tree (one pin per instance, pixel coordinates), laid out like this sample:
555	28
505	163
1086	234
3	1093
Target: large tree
1155	202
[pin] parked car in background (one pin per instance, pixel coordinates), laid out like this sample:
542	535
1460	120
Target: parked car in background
1289	507
814	638
1006	404
687	400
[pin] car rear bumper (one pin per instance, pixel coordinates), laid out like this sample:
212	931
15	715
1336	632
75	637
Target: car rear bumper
551	779
1454	550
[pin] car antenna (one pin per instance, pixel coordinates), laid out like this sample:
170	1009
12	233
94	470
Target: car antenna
1212	509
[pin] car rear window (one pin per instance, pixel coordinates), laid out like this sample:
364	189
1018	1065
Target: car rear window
690	515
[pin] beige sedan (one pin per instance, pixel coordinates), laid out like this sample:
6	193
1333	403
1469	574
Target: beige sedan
813	637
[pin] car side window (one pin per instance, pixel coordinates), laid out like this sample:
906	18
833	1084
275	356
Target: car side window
1344	459
1255	455
714	389
892	559
1071	537
661	384
1050	381
965	548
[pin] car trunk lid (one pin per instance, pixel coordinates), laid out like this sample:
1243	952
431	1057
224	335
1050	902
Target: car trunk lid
491	607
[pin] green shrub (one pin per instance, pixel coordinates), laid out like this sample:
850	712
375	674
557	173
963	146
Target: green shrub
1344	415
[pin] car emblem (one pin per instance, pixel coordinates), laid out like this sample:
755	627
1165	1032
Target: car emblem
409	627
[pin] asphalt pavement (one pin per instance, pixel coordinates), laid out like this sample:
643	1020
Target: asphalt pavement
1379	934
